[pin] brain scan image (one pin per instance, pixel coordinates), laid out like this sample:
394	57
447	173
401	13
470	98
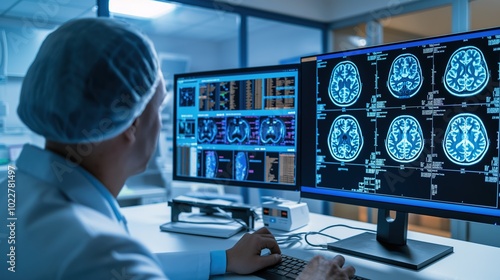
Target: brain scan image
207	130
186	128
465	140
405	76
272	130
345	84
238	130
345	139
466	73
405	140
241	166
187	96
210	164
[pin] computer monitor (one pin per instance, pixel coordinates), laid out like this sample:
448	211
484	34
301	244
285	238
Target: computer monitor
410	127
237	127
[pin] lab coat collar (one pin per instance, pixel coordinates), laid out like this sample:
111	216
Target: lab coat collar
75	182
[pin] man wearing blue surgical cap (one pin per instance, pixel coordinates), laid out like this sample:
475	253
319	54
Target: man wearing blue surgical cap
94	92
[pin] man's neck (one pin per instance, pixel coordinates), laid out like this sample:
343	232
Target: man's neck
108	170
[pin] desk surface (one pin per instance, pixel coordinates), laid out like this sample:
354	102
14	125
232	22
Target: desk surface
469	260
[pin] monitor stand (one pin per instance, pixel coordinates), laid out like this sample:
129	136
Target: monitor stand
390	244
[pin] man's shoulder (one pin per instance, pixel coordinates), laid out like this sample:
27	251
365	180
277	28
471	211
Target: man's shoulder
50	228
42	209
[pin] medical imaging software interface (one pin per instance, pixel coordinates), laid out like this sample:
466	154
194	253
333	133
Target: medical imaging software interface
415	120
237	126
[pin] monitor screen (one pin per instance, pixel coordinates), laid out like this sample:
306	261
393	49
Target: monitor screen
237	127
410	126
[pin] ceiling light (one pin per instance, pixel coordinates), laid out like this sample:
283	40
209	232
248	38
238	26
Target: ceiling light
357	41
140	8
362	42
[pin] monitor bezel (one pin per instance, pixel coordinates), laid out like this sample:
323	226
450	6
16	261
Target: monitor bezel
250	184
401	204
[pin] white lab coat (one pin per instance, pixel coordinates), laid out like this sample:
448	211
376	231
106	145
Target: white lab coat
66	229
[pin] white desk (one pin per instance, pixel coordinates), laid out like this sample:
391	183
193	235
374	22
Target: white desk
469	260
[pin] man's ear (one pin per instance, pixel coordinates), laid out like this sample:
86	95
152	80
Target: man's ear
130	132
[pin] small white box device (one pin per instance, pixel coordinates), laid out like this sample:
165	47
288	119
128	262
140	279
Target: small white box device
285	215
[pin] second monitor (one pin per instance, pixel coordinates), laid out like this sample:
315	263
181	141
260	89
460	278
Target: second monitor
237	127
411	127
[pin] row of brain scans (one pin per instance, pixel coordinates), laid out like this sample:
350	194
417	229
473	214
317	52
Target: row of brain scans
264	130
466	74
465	140
240	166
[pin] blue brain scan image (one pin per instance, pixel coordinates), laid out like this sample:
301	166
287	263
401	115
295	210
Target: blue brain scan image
238	130
345	84
405	140
210	164
345	139
186	96
207	130
466	73
186	128
405	76
465	140
272	130
241	166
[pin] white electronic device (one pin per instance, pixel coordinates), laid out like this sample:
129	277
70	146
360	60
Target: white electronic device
285	215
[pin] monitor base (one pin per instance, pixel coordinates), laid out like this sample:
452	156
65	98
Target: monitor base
415	254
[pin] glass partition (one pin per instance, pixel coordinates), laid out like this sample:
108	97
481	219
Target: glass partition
484	14
272	42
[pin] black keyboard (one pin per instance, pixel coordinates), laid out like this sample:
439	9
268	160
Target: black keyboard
288	268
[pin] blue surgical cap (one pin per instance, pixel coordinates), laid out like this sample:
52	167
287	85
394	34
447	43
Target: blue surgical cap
90	79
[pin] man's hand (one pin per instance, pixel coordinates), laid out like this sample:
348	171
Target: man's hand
244	257
321	268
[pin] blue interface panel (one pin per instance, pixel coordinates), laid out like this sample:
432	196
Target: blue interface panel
237	126
414	120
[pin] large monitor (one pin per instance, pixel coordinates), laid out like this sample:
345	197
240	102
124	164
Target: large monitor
409	127
237	127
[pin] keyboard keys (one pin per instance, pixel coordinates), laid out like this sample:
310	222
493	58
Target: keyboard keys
289	268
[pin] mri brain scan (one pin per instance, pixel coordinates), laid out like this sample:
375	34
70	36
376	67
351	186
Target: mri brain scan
405	76
345	139
187	96
210	164
238	130
345	84
272	130
207	130
465	140
186	128
241	166
405	139
466	73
